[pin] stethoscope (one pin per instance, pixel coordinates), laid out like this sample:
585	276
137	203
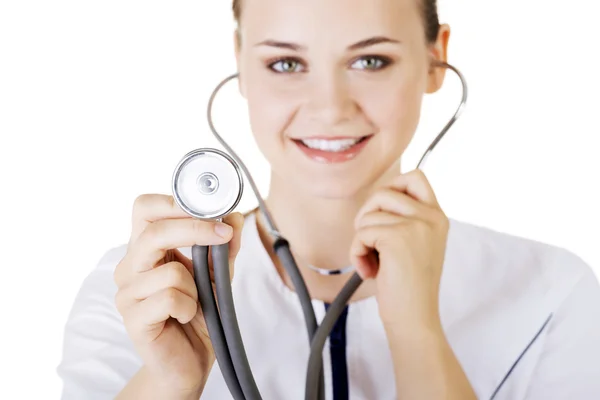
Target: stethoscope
207	184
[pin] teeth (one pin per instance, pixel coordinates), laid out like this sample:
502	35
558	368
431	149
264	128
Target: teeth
330	145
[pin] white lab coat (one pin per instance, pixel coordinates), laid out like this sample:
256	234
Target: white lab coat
514	311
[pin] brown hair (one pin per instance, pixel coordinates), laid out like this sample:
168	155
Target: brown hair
428	10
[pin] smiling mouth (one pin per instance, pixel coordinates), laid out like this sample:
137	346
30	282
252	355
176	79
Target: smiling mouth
333	145
332	150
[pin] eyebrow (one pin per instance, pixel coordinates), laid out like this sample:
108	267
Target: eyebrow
356	46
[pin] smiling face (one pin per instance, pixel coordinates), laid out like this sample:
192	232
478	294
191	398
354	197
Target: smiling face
334	88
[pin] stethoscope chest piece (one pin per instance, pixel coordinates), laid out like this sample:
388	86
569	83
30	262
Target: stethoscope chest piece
207	183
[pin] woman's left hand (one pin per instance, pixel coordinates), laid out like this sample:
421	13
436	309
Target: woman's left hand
401	235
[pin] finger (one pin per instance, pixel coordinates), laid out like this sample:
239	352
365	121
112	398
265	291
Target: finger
393	201
149	315
375	218
364	258
149	208
416	184
179	257
167	234
374	238
236	220
171	275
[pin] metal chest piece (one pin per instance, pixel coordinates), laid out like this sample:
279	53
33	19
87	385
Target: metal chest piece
207	184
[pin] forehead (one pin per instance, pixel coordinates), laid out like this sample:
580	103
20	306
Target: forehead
319	20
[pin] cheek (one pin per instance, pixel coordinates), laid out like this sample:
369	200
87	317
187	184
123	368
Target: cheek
269	107
269	114
395	110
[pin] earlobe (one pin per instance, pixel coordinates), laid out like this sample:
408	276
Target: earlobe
438	52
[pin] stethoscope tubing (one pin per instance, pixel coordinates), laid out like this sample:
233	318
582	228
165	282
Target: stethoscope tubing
283	252
315	360
220	257
222	322
208	304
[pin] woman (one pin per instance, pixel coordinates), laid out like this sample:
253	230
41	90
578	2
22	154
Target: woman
449	310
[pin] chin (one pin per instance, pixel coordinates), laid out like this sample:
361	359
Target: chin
331	187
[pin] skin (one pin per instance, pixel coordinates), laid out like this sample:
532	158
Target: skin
332	215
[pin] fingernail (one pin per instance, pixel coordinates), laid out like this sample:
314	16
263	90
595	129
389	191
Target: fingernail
223	230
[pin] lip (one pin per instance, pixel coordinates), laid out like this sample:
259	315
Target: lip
329	137
329	157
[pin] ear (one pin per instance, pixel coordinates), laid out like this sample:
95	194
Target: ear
438	51
238	48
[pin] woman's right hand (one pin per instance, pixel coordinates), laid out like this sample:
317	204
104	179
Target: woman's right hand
157	296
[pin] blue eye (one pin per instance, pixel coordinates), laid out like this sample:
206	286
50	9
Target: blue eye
370	62
286	65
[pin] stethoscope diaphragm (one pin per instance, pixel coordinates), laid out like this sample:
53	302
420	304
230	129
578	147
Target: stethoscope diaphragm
207	183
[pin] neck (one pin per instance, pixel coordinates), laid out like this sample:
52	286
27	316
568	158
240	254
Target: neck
320	232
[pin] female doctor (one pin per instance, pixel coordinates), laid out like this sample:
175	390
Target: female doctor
449	311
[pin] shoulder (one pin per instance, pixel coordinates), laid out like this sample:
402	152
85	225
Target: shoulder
520	314
498	265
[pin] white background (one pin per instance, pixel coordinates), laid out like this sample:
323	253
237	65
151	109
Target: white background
100	99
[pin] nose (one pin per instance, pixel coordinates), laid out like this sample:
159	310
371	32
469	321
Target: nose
330	101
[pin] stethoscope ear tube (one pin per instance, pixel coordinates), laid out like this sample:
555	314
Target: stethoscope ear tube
208	304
